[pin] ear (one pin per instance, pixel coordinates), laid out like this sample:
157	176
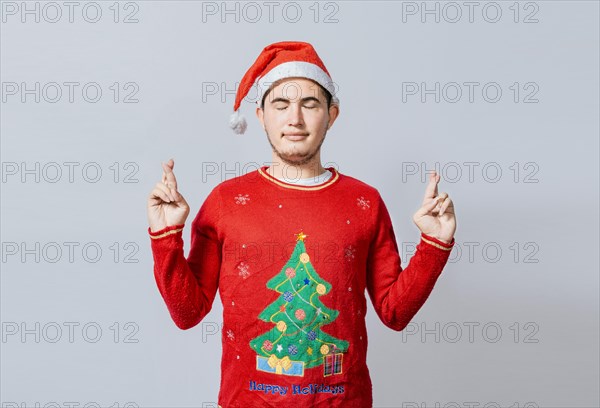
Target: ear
334	111
260	115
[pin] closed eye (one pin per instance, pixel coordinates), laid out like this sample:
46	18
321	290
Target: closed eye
280	108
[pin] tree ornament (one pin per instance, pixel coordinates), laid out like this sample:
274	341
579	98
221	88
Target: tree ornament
281	326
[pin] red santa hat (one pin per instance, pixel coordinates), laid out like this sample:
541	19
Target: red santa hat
277	61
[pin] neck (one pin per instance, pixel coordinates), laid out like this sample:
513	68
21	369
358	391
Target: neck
279	169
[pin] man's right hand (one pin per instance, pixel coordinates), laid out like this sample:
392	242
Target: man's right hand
166	207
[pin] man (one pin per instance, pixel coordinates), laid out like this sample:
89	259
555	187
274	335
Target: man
292	247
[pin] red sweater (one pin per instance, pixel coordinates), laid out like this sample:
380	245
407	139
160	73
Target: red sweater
292	264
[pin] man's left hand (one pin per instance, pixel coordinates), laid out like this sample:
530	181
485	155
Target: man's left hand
436	215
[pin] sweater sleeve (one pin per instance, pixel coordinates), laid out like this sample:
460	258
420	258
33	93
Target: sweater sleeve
398	294
189	286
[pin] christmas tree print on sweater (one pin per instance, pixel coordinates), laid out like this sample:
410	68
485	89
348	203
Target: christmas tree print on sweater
296	342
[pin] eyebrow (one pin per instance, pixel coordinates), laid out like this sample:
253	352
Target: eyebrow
308	98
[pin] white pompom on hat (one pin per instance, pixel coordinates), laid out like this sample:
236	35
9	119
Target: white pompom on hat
280	60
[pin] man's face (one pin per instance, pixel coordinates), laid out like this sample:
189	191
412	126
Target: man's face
296	119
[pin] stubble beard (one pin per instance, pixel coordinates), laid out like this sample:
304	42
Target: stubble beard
293	159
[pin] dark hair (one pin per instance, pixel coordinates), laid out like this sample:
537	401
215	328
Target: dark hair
325	91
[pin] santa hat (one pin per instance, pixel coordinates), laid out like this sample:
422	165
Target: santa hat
277	61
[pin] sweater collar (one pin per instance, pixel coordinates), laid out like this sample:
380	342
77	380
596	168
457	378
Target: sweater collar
335	176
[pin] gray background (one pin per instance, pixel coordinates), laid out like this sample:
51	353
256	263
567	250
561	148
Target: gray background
548	288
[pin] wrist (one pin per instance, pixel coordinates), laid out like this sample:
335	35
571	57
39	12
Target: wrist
445	241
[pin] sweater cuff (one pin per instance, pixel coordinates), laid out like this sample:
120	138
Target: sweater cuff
437	243
169	230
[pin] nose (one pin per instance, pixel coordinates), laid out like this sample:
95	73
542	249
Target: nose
295	115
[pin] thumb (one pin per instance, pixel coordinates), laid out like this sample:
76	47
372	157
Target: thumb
179	198
426	208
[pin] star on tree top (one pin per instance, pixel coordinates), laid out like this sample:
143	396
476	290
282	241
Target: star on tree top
300	236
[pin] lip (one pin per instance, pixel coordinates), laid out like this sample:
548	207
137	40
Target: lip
295	136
